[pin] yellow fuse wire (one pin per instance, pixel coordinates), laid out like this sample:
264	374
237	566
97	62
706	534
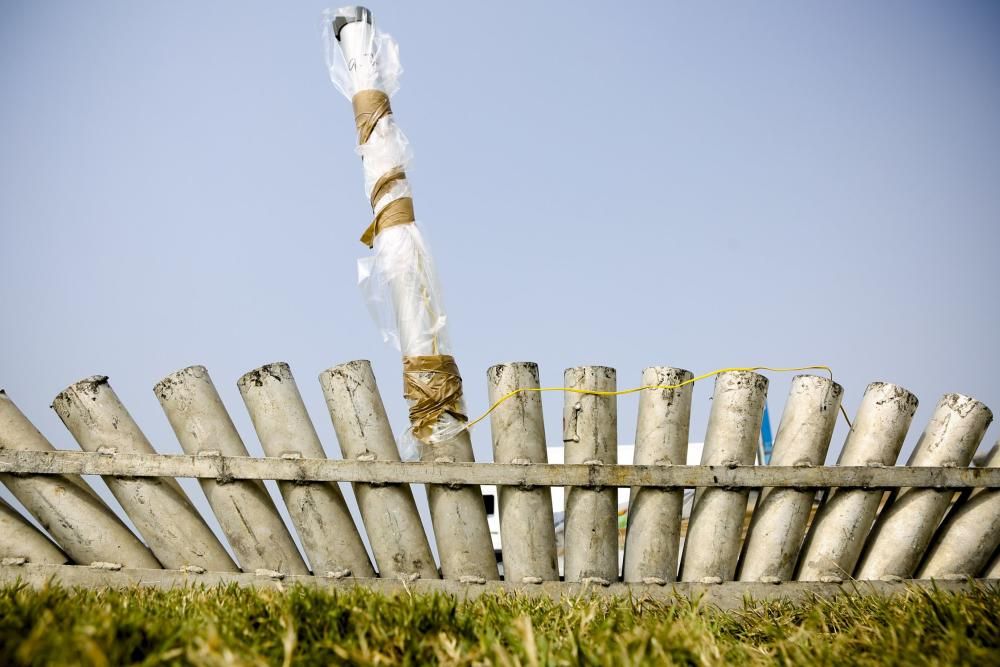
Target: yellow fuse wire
633	390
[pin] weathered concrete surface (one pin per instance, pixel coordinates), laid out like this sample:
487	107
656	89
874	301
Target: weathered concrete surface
731	595
908	521
842	523
527	532
969	535
712	544
779	521
159	508
590	435
388	511
535	474
245	511
652	540
65	505
459	517
19	539
317	509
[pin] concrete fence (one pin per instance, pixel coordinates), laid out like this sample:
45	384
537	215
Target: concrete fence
811	526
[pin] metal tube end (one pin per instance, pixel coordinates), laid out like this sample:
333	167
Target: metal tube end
347	15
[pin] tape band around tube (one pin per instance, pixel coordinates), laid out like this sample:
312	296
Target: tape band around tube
384	181
434	385
370	106
397	212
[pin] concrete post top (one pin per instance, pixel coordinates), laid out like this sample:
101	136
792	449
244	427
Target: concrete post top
807	382
277	371
93	400
953	433
887	391
164	389
349	370
665	376
669	371
348	366
90	385
600	376
741	380
965	405
495	372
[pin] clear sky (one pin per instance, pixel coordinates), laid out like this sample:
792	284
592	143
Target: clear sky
697	185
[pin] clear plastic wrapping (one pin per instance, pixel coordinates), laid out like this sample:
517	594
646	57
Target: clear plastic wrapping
398	280
373	63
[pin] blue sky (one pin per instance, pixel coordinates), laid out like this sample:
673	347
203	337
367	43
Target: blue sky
697	185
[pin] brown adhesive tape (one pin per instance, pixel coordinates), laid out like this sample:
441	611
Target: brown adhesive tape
433	384
369	107
397	212
384	181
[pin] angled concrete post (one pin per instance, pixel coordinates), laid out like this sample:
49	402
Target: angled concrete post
969	535
527	531
65	505
590	436
388	511
712	544
318	510
779	521
244	508
19	539
908	521
159	508
842	523
654	515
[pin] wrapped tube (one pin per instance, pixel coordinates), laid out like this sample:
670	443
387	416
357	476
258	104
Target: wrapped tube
401	288
398	280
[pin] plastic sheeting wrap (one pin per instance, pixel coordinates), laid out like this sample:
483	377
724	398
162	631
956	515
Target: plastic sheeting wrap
398	280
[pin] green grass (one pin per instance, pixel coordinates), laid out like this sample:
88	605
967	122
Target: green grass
239	626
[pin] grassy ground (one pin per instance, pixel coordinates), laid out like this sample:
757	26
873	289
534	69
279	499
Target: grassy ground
230	625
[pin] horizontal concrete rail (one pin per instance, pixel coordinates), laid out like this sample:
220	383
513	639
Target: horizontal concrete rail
226	468
729	595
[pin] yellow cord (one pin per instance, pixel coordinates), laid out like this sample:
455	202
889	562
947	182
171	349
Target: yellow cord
595	392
